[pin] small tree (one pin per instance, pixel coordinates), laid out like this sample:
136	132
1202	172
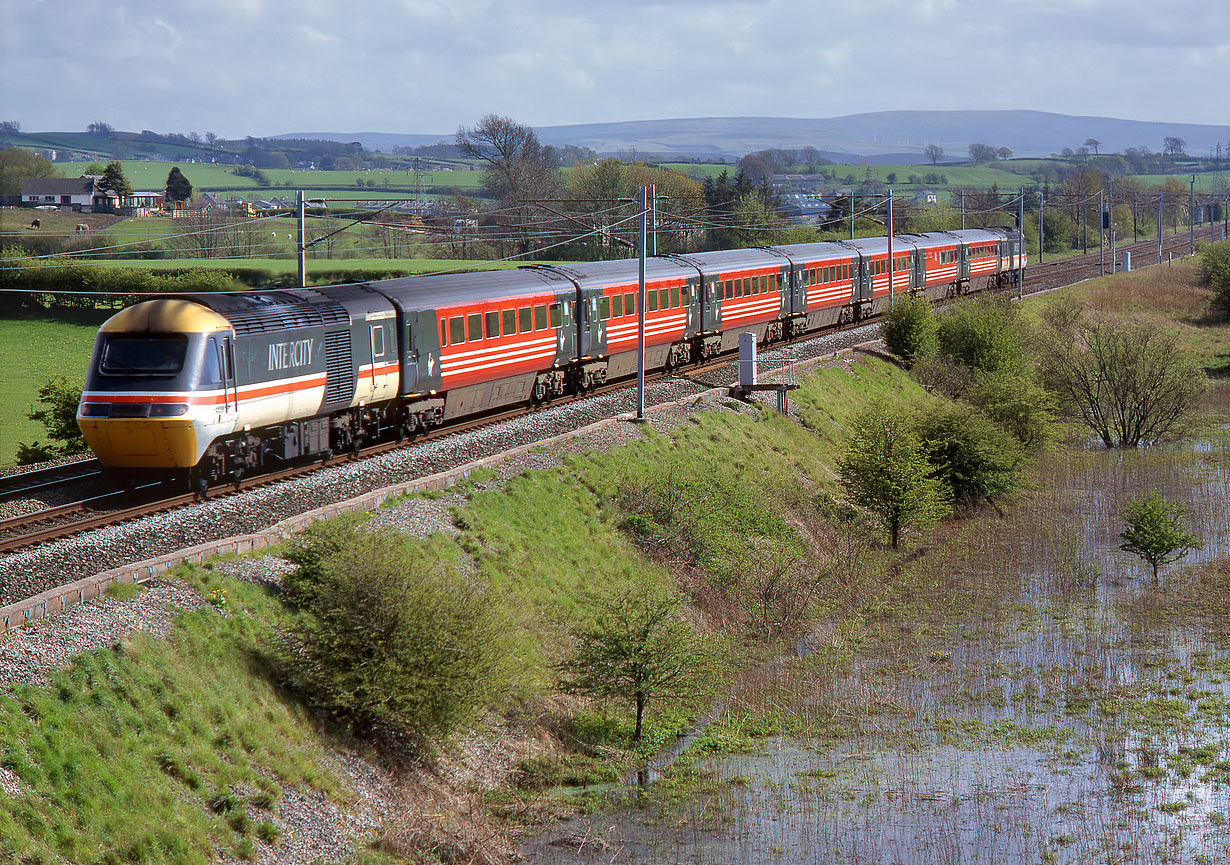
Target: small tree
885	470
178	188
911	328
933	152
638	647
1155	531
59	417
113	178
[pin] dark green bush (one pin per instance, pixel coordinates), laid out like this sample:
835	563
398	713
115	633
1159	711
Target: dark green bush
394	640
911	328
1215	271
985	334
1018	404
976	458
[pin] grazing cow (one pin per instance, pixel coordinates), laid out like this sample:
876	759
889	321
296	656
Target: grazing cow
81	226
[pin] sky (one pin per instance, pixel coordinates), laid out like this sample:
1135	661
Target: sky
267	67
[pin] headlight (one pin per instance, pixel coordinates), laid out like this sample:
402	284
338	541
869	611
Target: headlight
95	409
168	409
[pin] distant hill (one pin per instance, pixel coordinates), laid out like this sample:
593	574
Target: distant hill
881	137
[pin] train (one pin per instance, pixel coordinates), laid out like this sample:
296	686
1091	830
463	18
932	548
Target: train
223	385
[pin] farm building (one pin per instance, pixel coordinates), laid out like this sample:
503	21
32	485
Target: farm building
81	194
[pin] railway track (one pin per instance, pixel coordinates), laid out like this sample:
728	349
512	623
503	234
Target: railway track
37	481
110	506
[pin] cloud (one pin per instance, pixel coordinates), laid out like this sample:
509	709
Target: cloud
241	67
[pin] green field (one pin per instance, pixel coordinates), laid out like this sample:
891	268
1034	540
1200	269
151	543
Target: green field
31	351
209	178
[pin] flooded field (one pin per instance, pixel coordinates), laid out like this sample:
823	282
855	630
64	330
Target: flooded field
1024	693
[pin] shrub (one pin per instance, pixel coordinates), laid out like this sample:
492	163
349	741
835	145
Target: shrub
394	640
638	647
1155	531
911	328
986	334
1215	271
1018	404
59	417
975	457
885	470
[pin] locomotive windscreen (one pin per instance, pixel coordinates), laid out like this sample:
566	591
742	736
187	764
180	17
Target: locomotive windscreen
143	355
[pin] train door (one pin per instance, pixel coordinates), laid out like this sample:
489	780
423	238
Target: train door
711	306
962	261
219	373
565	326
421	370
383	371
863	282
591	326
691	302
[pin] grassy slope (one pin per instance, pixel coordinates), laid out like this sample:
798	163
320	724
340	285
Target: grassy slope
126	750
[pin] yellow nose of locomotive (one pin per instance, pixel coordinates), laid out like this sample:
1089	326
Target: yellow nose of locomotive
141	442
136	408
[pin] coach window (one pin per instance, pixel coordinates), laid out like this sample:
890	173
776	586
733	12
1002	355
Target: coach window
630	303
510	321
664	298
675	298
555	315
456	330
493	325
476	326
540	317
605	307
443	333
617	306
651	299
523	319
730	290
377	342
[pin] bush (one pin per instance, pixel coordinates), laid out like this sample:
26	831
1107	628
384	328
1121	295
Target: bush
911	328
975	457
1018	404
394	640
986	334
886	470
1215	271
59	418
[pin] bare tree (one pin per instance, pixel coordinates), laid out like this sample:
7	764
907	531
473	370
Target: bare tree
934	152
1093	144
1127	382
1172	146
520	170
